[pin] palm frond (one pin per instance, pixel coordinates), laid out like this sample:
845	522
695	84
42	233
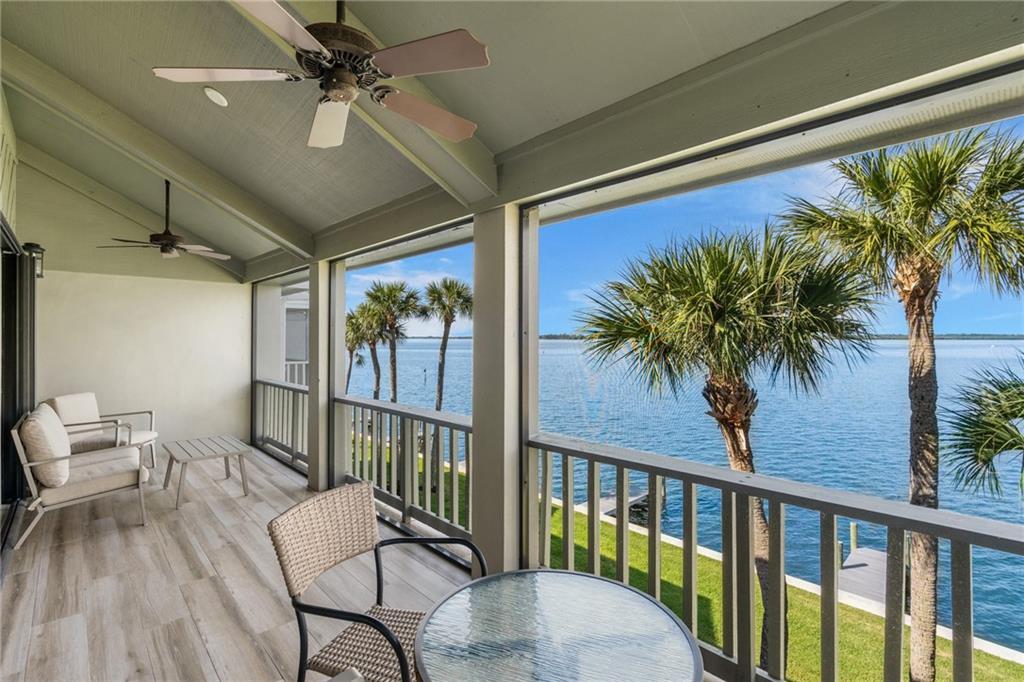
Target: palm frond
726	305
986	422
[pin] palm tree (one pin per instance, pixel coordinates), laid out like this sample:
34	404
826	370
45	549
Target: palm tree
446	299
906	215
371	331
728	308
355	339
393	303
987	422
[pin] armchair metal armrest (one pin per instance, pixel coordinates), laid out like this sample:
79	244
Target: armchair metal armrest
87	453
422	541
97	421
355	617
151	413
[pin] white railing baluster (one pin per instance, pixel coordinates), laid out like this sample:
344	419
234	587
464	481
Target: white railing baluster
776	602
531	511
690	556
744	599
728	573
895	585
545	508
963	612
594	517
407	446
622	524
568	514
829	599
469	477
655	485
453	452
428	469
439	474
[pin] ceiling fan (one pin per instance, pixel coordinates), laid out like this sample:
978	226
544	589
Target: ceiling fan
170	244
345	61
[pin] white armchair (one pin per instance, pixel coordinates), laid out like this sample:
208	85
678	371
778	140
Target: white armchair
89	430
58	478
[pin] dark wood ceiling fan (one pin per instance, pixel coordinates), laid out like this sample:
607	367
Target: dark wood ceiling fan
345	60
170	244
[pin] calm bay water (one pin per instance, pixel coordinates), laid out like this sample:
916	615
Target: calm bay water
851	436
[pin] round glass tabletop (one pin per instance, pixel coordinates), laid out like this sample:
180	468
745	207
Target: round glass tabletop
553	625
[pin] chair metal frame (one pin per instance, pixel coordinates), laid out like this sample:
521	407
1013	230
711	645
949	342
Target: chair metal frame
302	608
36	503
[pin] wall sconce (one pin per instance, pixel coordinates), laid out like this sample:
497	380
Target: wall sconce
36	251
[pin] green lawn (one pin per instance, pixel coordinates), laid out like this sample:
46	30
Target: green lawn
860	633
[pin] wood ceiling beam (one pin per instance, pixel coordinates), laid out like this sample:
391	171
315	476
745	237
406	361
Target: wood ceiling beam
116	202
61	95
466	170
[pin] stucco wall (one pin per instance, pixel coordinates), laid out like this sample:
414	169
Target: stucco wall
139	331
179	347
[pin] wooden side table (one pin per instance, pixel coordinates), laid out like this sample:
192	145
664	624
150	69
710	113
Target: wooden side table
210	447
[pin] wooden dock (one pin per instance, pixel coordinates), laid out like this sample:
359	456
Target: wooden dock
863	574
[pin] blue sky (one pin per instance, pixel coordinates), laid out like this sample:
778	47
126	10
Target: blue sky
578	255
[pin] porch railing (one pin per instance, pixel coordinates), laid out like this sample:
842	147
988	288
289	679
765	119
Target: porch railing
737	659
296	372
419	461
279	420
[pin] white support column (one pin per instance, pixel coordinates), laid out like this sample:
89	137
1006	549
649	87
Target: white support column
341	448
496	355
319	400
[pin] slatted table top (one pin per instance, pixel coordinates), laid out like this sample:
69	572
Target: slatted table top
208	447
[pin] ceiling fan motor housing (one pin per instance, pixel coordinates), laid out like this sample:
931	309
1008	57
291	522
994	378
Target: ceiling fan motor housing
351	68
165	239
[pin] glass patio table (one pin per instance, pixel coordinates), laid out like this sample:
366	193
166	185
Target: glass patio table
553	625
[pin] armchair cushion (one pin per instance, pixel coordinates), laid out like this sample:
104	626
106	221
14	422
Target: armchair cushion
99	473
44	437
75	408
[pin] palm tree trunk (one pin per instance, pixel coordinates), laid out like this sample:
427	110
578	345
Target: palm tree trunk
439	398
376	371
348	371
393	347
732	405
923	389
435	448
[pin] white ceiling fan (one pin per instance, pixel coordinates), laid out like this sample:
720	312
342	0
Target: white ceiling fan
170	244
345	60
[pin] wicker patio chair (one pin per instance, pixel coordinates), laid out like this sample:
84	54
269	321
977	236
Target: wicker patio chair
320	533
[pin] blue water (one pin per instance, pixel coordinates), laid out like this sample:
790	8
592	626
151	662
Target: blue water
852	436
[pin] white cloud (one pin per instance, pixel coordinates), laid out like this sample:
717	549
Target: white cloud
579	295
396	271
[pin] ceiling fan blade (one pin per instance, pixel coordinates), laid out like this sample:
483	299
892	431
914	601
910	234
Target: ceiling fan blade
212	254
170	253
214	74
124	247
452	51
328	129
430	116
283	24
194	247
131	241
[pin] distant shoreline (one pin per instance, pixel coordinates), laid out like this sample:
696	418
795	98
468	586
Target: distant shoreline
877	337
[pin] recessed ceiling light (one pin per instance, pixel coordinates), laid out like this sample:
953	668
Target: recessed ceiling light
215	96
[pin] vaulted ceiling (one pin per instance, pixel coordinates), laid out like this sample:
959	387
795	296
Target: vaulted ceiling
79	86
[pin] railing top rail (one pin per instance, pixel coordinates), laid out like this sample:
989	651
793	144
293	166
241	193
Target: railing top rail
460	422
281	384
1001	535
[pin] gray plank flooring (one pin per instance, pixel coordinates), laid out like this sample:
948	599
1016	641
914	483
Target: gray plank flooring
195	595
